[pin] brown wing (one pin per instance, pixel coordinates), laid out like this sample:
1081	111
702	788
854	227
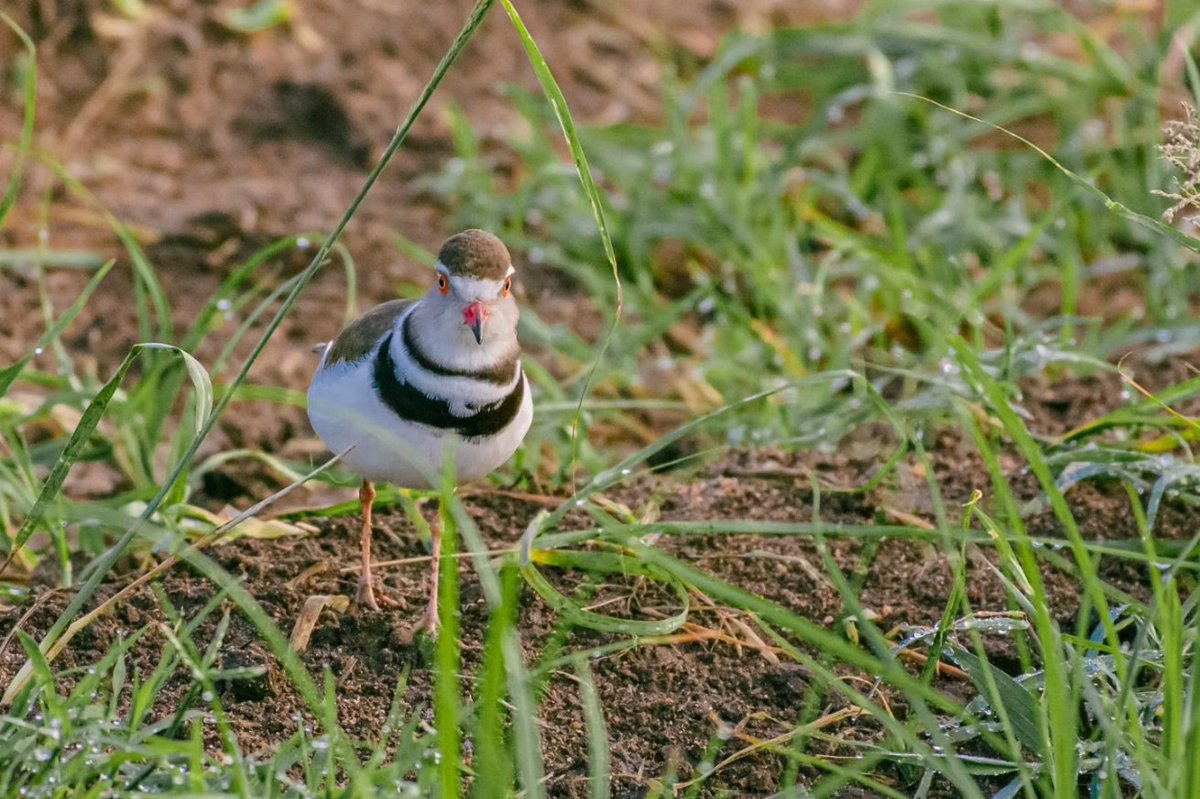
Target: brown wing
361	335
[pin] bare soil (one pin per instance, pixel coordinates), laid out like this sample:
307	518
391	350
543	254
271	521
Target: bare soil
663	704
210	143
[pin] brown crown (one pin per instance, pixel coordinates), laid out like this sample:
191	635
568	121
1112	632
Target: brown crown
475	254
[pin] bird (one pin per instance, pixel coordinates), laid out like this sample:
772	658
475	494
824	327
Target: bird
413	382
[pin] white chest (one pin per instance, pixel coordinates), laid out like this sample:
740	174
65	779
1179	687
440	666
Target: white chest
346	411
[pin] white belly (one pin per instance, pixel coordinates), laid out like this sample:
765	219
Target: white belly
345	411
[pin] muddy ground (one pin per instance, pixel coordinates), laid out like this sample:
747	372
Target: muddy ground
209	143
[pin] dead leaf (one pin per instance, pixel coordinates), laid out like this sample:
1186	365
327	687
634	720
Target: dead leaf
306	622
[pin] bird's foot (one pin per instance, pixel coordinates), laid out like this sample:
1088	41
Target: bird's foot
421	632
366	597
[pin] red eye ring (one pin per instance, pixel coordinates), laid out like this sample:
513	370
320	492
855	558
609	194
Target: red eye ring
443	284
506	287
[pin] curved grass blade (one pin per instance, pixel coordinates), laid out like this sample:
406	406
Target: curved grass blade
87	425
558	102
1060	731
569	609
1020	435
1149	222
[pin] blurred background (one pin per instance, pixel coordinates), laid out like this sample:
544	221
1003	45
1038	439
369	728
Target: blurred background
778	202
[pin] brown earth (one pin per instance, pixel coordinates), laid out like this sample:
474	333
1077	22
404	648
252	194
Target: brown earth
209	143
663	704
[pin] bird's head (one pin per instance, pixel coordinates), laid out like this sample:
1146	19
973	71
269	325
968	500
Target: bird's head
474	283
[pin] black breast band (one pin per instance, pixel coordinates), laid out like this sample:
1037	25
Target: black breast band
413	405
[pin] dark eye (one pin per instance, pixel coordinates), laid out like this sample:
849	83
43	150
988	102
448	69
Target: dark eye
506	287
443	283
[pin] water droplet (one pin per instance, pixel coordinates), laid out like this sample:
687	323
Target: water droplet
303	243
38	350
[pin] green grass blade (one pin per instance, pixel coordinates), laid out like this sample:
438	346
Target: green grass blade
562	113
10	373
446	698
525	726
114	553
1020	435
1148	222
923	700
572	611
229	287
87	426
1061	714
599	779
25	142
492	761
43	677
1019	706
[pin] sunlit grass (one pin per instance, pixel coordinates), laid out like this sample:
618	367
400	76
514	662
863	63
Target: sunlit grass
763	278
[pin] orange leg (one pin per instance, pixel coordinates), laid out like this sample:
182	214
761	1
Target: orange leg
366	590
435	535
